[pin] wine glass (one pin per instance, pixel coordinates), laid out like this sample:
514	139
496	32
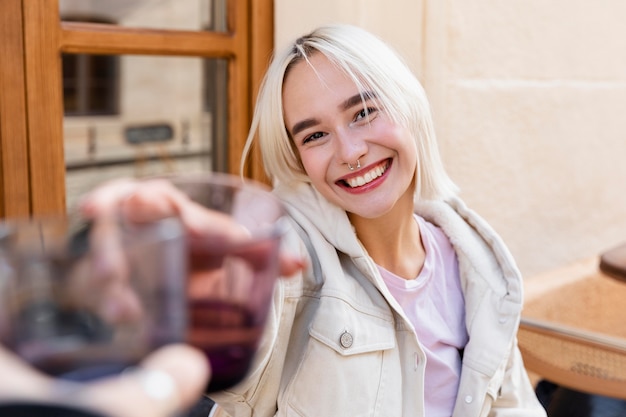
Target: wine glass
79	307
231	283
89	301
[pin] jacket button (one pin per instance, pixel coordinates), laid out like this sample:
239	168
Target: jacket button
346	339
468	399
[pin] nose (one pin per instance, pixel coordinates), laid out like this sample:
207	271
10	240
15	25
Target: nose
350	146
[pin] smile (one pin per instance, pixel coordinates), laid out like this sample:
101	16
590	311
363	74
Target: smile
369	176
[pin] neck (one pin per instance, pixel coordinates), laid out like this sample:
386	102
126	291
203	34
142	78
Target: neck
393	240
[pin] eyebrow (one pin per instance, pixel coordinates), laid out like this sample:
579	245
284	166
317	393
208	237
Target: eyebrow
348	103
356	99
304	124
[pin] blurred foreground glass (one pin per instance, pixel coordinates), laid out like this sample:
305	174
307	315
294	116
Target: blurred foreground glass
210	291
231	284
68	314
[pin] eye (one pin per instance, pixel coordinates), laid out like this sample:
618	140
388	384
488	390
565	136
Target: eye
365	114
312	137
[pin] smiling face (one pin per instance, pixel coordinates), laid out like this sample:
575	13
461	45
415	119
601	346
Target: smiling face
332	126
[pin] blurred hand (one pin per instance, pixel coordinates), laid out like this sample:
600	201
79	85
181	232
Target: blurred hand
167	382
149	200
173	377
215	254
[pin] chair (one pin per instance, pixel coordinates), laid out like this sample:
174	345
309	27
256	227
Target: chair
581	360
574	333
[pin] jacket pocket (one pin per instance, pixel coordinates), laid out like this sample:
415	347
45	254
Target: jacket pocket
346	366
348	330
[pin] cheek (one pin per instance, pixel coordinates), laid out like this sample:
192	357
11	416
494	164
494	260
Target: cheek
313	166
406	142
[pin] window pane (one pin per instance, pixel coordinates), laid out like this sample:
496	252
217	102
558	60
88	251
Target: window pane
90	84
156	14
172	118
70	83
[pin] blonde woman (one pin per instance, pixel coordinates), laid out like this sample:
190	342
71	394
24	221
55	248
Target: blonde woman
409	303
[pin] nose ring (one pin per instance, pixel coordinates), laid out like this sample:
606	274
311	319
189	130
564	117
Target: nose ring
358	165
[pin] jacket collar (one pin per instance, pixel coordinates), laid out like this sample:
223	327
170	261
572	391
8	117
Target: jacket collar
309	208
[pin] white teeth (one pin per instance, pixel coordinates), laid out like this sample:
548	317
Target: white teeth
367	177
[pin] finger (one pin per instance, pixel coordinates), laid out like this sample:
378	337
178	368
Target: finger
169	381
187	366
202	222
290	265
106	199
102	208
156	199
149	200
153	200
24	382
108	207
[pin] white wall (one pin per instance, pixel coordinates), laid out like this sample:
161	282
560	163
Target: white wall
397	21
528	97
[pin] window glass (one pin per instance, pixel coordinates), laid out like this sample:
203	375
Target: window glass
170	117
155	14
90	84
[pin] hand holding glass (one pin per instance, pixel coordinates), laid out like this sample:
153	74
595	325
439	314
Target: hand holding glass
67	325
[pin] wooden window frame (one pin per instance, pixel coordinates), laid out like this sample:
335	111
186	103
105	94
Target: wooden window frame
32	39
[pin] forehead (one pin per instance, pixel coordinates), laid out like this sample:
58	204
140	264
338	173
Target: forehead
316	82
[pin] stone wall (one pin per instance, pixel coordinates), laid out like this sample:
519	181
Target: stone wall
528	97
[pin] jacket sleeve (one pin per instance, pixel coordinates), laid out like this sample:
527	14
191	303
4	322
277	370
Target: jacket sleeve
257	394
516	396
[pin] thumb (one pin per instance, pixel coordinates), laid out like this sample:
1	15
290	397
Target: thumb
170	380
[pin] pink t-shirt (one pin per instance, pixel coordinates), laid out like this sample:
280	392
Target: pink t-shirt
434	303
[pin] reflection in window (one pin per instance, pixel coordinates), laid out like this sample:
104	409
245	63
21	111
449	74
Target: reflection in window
90	82
215	104
90	85
143	95
163	124
156	14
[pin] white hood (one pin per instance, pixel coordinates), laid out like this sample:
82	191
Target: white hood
481	252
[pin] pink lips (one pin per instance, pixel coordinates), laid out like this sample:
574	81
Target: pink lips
366	178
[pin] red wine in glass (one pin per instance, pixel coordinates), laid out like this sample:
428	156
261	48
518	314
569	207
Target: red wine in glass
228	335
72	344
229	305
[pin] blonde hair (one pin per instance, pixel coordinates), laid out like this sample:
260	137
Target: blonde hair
375	68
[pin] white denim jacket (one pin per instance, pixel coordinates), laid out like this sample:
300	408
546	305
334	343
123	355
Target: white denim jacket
338	344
